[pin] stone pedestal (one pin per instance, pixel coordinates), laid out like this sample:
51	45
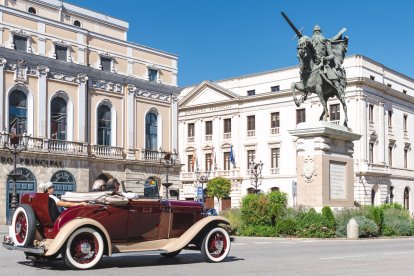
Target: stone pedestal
324	164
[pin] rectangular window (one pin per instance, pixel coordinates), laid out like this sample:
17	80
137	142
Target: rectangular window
208	162
390	155
106	64
404	91
389	118
61	52
405	122
405	158
190	163
152	75
371	153
335	112
389	85
251	122
251	156
372	77
251	92
371	113
275	158
190	130
275	88
20	43
300	116
274	120
226	159
227	126
209	127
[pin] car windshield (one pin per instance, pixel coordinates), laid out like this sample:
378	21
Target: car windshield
143	189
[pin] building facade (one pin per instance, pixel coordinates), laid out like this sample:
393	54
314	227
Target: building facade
248	117
94	104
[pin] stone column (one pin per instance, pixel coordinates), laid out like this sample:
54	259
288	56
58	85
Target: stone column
42	101
174	123
82	102
3	62
130	122
381	134
364	128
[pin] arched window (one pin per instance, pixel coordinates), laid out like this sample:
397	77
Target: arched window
58	120
25	184
32	10
151	131
407	198
250	191
373	192
77	23
17	112
274	189
63	181
104	125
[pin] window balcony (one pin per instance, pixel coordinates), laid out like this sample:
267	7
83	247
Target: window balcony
227	135
209	137
251	133
190	139
107	151
274	131
150	155
68	147
274	170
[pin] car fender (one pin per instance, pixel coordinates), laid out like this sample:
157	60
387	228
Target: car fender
64	233
193	231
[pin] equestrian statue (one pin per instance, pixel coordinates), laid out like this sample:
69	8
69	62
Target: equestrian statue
321	70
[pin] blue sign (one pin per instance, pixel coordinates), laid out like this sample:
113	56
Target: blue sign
199	192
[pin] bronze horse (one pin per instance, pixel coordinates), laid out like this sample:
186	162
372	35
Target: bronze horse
313	80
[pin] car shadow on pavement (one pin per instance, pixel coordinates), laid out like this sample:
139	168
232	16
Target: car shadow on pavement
131	261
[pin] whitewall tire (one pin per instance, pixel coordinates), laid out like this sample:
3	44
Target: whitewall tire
23	229
84	248
216	245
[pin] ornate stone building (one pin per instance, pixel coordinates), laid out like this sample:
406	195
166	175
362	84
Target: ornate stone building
250	116
95	104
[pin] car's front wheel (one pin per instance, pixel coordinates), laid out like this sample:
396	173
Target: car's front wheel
84	248
216	245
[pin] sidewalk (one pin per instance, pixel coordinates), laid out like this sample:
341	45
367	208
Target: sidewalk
4	229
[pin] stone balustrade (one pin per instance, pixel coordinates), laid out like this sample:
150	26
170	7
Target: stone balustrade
107	151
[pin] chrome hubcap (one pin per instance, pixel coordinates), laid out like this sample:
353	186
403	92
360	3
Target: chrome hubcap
18	227
85	247
219	245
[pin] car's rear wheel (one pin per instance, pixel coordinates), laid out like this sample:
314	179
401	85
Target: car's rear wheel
171	254
23	226
84	248
216	245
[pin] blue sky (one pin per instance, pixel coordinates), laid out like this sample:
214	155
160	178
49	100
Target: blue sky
217	39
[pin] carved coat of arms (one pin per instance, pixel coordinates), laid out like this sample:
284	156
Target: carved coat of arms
309	169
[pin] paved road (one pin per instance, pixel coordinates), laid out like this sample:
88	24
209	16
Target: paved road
250	256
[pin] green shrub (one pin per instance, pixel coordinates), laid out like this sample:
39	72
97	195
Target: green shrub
263	209
378	217
397	222
386	206
234	216
258	231
286	227
314	225
343	216
328	214
367	227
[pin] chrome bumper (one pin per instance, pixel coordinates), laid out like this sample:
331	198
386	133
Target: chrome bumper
34	250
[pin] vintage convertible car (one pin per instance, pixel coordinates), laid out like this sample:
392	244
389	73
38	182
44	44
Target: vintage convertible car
113	224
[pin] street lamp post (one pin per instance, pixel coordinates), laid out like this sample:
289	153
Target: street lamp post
14	144
256	175
202	177
168	160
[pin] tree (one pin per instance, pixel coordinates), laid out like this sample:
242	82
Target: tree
219	187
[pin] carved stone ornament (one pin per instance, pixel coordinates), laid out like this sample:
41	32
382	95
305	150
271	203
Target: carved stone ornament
20	75
309	169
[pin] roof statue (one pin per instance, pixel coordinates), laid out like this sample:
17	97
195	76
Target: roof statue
321	70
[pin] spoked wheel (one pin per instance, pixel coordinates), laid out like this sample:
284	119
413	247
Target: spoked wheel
216	245
23	226
171	254
84	248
